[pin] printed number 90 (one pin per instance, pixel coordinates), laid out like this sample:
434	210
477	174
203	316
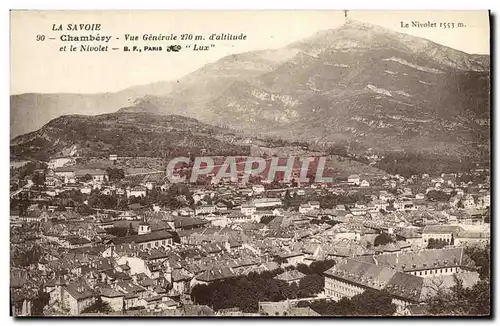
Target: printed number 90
40	38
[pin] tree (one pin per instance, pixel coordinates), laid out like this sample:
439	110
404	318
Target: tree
291	291
98	306
303	268
319	267
280	260
41	300
435	195
87	178
436	244
310	285
287	199
373	303
115	174
481	257
38	179
460	301
382	239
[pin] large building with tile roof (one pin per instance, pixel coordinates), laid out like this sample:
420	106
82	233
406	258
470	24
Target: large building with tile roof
425	263
408	278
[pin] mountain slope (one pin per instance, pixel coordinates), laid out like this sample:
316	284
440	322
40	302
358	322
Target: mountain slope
185	96
360	83
128	135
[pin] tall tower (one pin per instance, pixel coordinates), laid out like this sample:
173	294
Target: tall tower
60	284
168	273
345	16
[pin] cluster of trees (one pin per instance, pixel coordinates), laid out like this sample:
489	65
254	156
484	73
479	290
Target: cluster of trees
115	174
436	195
408	164
121	231
436	244
29	168
99	306
472	301
369	303
176	196
327	200
383	239
131	136
317	267
24	258
39	302
245	292
267	219
461	301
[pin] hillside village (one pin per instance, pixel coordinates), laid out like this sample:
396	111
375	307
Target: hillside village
118	239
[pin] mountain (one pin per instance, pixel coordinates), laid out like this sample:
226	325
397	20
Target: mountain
128	135
186	96
30	111
359	84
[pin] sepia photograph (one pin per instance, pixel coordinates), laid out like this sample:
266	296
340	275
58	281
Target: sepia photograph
331	163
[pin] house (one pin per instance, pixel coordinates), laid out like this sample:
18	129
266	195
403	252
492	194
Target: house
267	202
133	293
350	277
73	297
404	205
292	276
221	207
248	209
354	179
21	306
180	279
113	157
364	184
420	196
314	204
205	209
137	191
292	258
212	275
445	233
97	175
238	218
284	308
128	216
380	204
114	298
148	240
385	196
467	238
185	211
304	208
258	189
66	173
425	263
77	242
359	211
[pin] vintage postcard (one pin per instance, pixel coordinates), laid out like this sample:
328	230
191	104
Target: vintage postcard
250	163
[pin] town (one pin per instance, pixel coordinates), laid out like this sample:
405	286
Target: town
115	236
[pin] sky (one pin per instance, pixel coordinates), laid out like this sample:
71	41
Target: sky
39	66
